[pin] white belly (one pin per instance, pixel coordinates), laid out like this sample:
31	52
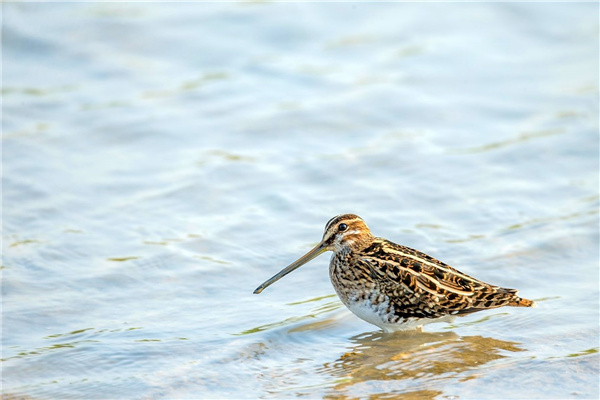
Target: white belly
376	315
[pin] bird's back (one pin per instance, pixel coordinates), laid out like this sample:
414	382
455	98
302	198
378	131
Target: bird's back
418	285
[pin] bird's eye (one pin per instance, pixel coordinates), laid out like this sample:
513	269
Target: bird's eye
342	227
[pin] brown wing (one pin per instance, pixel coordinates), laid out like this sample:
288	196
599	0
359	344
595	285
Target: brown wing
424	287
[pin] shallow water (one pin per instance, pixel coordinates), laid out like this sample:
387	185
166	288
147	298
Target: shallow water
160	161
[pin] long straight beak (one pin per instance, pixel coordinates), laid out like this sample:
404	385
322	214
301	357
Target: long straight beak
319	249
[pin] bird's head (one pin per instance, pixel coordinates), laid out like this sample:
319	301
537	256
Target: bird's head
346	232
342	233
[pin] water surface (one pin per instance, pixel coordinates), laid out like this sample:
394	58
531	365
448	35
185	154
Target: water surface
162	160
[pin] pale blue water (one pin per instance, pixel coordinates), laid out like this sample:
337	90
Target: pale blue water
162	160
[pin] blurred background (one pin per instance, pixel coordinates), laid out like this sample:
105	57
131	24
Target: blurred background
161	160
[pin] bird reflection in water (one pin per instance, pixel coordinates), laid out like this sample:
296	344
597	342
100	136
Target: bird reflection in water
410	364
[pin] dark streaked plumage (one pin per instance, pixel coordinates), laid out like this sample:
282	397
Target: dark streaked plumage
396	287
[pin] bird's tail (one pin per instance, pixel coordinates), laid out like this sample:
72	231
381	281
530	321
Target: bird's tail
519	302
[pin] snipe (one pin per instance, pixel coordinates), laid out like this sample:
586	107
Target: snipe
395	287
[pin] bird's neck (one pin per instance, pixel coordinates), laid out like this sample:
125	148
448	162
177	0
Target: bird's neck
356	244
